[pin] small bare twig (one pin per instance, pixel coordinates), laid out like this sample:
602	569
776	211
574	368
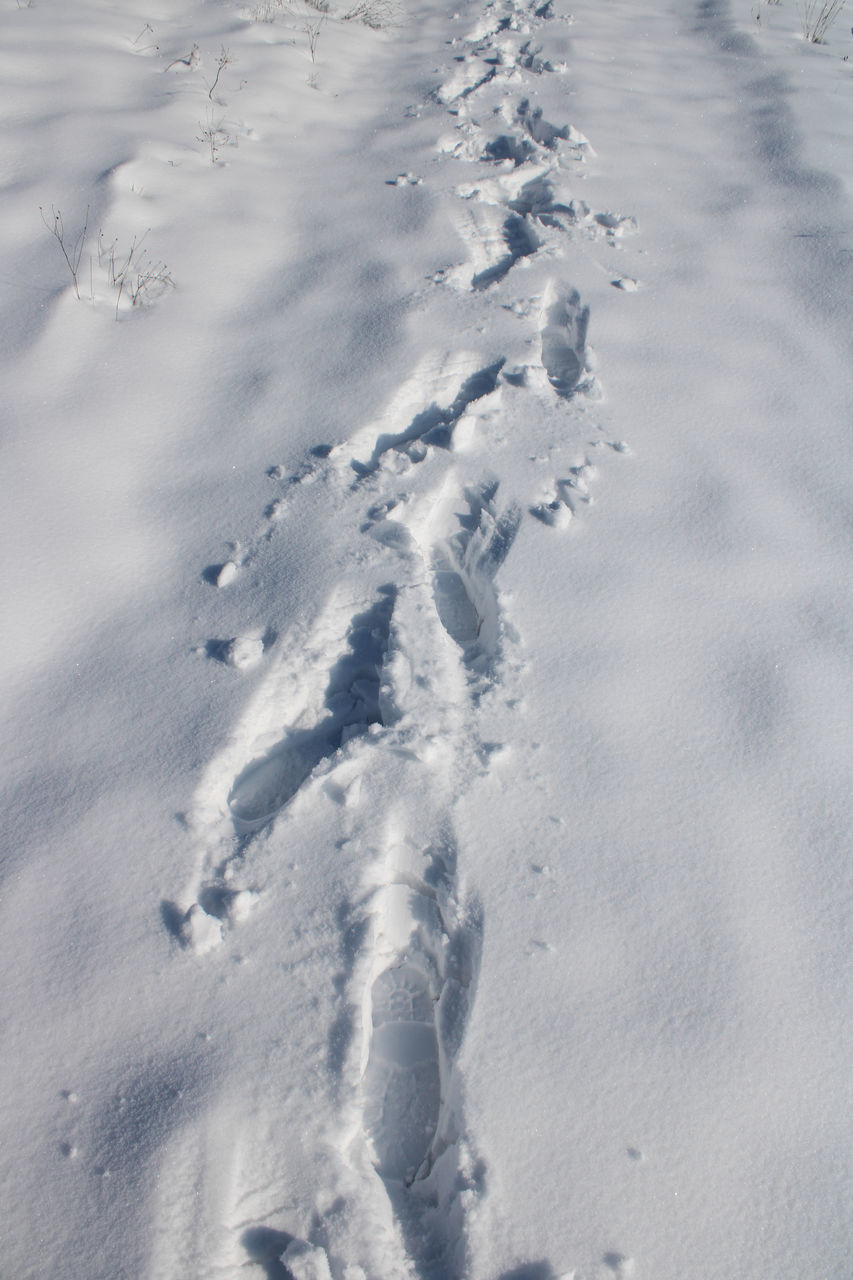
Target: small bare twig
190	60
266	10
818	16
71	250
215	136
133	272
224	61
312	31
375	14
151	47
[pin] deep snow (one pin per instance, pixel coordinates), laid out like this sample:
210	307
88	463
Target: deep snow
429	642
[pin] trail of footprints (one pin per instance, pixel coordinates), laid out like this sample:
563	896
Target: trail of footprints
415	978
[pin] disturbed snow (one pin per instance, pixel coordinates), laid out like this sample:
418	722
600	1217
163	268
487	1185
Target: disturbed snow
428	641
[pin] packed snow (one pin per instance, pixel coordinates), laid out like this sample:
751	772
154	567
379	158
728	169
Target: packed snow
428	648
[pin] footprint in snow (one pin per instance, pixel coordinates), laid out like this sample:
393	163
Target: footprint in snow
519	241
506	147
433	427
427	953
402	1083
564	347
542	132
352	702
471	74
241	652
560	506
530	59
464	568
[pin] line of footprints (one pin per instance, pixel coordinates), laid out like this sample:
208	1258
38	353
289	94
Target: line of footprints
414	979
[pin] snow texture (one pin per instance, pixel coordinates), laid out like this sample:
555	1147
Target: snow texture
428	647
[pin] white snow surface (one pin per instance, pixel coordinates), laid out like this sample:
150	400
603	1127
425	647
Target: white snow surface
428	641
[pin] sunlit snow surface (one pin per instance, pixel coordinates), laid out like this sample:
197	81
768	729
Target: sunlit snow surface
428	641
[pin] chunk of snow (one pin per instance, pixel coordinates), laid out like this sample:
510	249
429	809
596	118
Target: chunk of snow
244	651
306	1262
226	574
199	931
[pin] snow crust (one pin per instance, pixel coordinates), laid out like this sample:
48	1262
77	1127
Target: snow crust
428	645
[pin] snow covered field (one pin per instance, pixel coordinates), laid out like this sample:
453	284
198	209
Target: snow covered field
427	500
